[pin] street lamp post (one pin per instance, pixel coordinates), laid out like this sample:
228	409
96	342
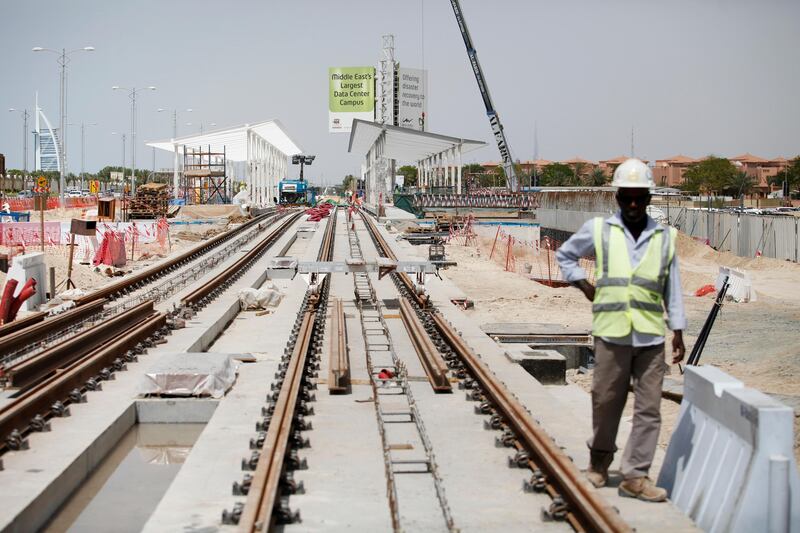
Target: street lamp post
123	155
83	151
175	172
174	119
24	113
63	58
83	148
202	126
132	95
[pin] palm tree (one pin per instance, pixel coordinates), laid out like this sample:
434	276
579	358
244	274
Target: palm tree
597	178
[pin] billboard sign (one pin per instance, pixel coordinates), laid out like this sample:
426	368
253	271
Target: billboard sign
351	95
412	107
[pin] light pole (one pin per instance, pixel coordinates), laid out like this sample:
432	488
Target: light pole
63	58
123	155
175	173
24	113
174	119
83	147
212	124
132	96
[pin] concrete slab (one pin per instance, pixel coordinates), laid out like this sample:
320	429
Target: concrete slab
203	487
568	422
345	483
59	460
483	492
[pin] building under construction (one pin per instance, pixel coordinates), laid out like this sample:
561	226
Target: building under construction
205	179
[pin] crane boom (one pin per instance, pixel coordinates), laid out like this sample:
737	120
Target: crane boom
512	180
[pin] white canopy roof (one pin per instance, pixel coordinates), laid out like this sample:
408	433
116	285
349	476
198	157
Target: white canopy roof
403	143
234	140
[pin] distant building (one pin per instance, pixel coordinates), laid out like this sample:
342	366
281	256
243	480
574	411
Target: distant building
608	166
669	172
2	165
760	169
582	167
47	140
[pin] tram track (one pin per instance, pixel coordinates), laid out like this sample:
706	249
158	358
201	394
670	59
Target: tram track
553	472
66	371
279	433
153	283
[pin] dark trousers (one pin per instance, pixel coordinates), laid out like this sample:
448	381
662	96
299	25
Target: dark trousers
616	366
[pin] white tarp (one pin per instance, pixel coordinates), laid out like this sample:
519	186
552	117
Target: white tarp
190	374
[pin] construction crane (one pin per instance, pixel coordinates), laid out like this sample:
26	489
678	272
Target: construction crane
512	180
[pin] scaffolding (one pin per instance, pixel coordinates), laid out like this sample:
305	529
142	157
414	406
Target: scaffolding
205	179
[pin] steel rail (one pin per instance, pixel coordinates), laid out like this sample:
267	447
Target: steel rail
588	508
30	411
584	508
326	249
195	297
38	331
41	365
431	359
129	283
339	365
12	327
38	327
385	249
257	514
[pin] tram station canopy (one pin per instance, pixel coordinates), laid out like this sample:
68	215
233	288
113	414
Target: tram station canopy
437	157
405	144
235	140
264	147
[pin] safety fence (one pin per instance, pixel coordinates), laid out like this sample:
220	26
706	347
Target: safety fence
140	238
27	204
517	248
743	234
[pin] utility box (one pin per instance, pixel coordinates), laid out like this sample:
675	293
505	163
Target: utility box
436	252
83	227
106	209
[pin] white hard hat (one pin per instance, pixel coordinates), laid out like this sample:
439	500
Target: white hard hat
633	173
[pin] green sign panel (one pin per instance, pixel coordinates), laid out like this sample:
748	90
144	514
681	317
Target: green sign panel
351	89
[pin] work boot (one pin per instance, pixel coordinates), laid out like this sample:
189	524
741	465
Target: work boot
597	473
642	488
598	479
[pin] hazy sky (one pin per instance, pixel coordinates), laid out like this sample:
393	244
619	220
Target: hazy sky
692	77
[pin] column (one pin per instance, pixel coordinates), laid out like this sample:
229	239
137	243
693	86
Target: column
176	182
458	172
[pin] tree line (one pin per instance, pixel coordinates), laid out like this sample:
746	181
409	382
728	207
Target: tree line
712	175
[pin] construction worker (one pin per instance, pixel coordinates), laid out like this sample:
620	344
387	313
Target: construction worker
636	279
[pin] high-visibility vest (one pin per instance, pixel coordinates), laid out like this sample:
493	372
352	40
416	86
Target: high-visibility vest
629	298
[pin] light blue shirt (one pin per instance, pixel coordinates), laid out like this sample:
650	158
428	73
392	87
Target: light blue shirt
582	244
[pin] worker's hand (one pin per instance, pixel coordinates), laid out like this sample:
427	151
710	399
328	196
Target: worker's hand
678	349
586	288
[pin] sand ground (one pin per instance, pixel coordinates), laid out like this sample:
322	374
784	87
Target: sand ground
756	342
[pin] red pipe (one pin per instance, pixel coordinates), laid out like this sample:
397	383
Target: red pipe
8	297
28	290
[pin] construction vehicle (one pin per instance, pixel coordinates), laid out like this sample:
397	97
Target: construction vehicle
293	192
512	180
